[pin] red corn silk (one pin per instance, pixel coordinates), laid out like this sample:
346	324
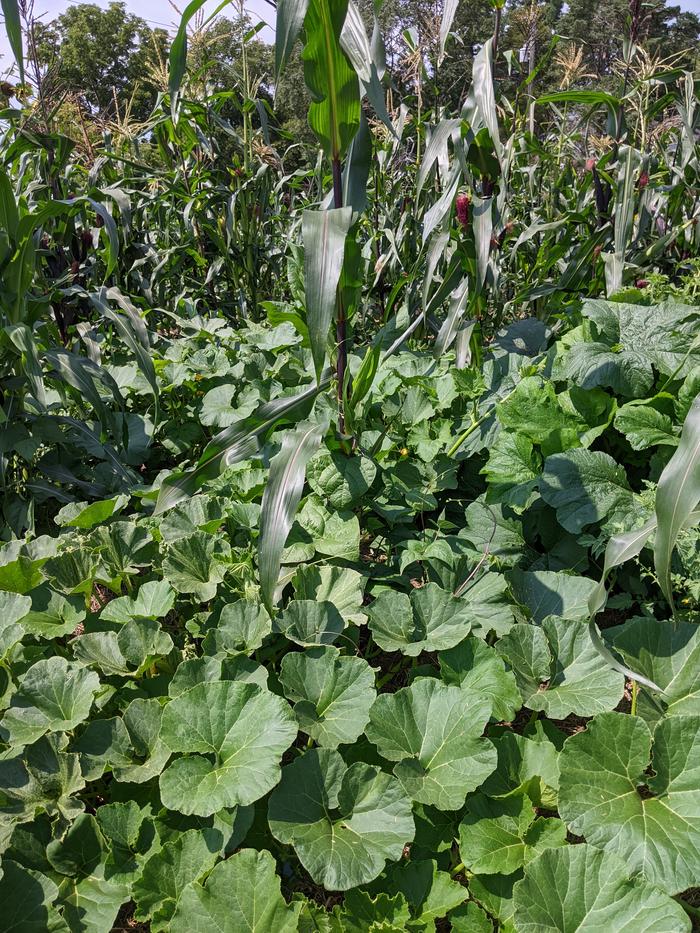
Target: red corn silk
462	204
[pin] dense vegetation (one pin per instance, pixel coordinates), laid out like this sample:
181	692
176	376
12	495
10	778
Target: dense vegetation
349	575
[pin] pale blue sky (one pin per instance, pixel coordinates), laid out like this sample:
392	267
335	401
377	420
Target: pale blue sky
163	13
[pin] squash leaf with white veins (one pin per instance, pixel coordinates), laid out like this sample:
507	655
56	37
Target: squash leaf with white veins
13	607
131	836
81	848
500	836
169	871
148	752
92	903
123	548
123	653
242	893
668	653
434	733
430	893
477	668
577	889
239	628
53	696
558	669
26	901
72	571
332	694
244	729
344	822
527	764
310	623
340	585
153	600
430	619
43	778
361	912
197	564
549	593
51	614
607	795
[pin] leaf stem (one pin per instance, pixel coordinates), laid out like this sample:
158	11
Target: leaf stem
693	912
341	332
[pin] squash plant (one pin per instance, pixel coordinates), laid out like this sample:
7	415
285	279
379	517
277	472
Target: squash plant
349	578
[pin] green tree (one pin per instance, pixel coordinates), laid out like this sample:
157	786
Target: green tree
445	82
600	27
109	57
215	57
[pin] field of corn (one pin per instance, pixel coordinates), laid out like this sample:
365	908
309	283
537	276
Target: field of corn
350	538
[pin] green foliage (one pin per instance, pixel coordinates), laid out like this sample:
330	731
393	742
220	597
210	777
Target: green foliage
105	56
405	644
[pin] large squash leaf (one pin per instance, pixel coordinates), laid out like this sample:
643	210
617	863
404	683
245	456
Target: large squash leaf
243	728
578	888
637	795
344	822
434	733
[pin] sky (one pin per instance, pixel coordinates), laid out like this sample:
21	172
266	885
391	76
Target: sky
162	13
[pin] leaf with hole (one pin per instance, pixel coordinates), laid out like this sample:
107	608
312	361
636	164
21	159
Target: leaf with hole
636	794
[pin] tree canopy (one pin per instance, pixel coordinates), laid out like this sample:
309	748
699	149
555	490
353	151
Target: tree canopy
116	64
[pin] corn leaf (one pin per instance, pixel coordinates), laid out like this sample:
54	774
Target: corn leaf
324	234
677	495
484	93
290	19
240	441
448	15
334	114
132	330
13	28
178	49
281	499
